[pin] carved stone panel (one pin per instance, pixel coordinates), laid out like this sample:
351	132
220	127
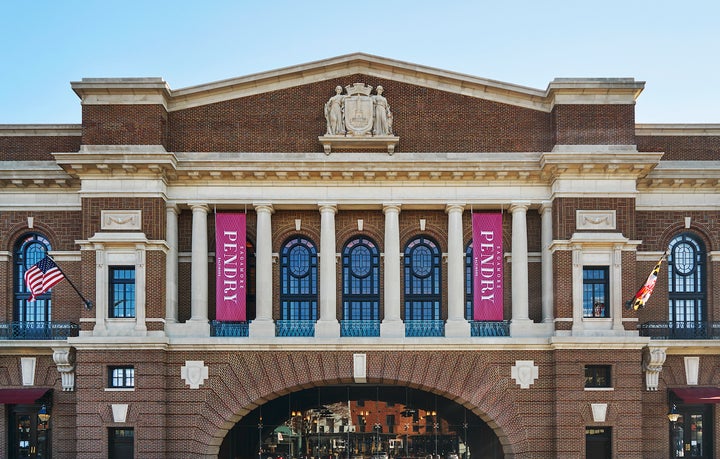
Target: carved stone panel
126	220
595	220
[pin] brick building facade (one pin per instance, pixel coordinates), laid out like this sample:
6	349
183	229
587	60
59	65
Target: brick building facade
590	201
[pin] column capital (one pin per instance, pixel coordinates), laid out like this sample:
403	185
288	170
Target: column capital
199	206
171	206
545	206
263	206
391	207
519	206
455	207
327	207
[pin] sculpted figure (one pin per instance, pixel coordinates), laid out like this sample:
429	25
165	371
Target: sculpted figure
334	113
382	124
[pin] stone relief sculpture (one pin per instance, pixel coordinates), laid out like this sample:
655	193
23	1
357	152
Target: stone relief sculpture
358	113
382	124
334	109
358	120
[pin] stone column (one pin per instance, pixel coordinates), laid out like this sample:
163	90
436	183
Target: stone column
546	237
520	305
199	276
171	264
456	325
392	325
263	325
327	325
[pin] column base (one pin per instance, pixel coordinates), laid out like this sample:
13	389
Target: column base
327	329
199	328
523	327
392	329
457	329
262	328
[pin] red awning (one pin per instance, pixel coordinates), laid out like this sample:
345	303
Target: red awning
698	395
24	396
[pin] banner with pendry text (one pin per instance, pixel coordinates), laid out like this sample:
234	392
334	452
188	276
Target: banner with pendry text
487	268
230	267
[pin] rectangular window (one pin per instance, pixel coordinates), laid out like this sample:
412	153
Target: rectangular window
598	442
122	292
595	291
121	377
597	376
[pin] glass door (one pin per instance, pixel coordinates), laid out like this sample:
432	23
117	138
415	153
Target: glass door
688	439
29	436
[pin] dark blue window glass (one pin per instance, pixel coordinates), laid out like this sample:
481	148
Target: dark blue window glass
595	291
686	281
30	249
299	279
422	286
361	280
122	292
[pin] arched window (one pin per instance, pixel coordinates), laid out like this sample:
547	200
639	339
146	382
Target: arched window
361	280
299	278
29	249
686	281
422	279
469	282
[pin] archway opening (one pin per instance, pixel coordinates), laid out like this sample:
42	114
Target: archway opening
361	422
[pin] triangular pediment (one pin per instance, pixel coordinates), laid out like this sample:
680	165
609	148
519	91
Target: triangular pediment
354	64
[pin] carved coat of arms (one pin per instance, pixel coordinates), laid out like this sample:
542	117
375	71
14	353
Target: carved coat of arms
358	113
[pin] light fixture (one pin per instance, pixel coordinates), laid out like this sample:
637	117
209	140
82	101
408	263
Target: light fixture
673	415
43	414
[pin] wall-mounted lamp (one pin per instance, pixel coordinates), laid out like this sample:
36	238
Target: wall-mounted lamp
43	414
673	415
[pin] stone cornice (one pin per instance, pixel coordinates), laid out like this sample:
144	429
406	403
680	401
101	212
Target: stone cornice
40	130
565	163
559	91
685	130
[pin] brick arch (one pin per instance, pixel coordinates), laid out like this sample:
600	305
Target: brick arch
698	230
240	382
19	230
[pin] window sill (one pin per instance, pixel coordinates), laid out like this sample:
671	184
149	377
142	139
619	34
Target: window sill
599	389
119	389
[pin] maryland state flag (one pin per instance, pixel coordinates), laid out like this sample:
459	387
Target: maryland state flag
646	290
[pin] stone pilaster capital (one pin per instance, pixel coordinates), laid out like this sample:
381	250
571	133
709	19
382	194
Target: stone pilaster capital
263	206
197	206
545	206
171	206
391	207
519	206
451	207
327	207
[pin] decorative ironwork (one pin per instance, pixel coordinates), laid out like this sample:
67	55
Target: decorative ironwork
490	328
680	330
38	330
295	328
359	328
424	328
223	328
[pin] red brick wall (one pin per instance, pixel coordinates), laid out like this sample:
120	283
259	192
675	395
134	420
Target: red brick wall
426	120
36	148
681	148
564	215
124	125
594	124
153	214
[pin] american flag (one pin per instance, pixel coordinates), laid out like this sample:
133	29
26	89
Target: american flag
42	276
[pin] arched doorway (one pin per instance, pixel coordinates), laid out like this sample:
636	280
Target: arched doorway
361	422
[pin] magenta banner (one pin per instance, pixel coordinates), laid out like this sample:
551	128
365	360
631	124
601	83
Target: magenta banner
487	266
230	274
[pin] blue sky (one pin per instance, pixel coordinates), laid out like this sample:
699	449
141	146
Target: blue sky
672	46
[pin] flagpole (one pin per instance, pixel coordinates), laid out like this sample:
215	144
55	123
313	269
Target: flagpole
88	303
